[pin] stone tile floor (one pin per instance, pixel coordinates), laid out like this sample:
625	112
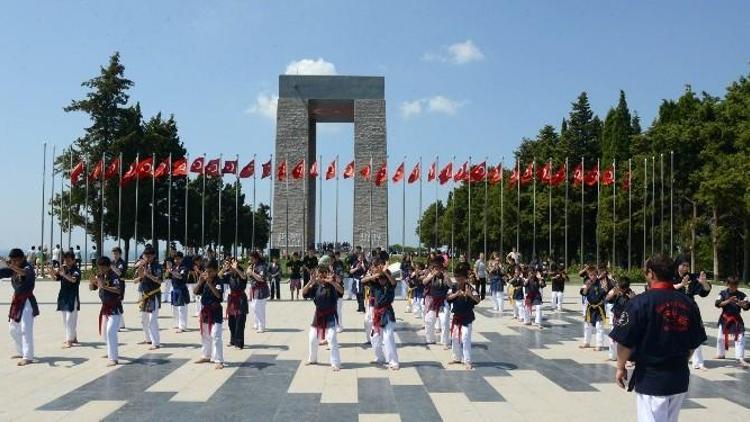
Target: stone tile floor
521	373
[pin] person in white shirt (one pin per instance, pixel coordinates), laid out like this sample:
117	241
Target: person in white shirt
480	269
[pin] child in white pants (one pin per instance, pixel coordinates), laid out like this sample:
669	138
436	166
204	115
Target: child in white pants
325	291
732	302
559	278
462	298
211	316
618	297
257	278
23	307
68	300
436	284
594	315
110	288
383	292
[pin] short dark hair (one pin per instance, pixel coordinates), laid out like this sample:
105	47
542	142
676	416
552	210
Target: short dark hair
103	261
733	281
661	265
461	271
117	249
149	250
178	254
16	253
212	264
69	254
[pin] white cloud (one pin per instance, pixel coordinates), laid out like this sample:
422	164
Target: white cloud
310	67
437	104
265	105
457	53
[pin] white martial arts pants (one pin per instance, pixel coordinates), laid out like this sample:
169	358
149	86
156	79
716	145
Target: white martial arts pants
659	408
339	314
404	289
384	344
418	306
259	314
166	290
348	288
538	315
211	345
70	323
498	300
368	323
429	326
150	325
521	310
697	358
608	309
557	300
739	345
111	326
179	314
333	344
587	332
23	332
462	346
194	298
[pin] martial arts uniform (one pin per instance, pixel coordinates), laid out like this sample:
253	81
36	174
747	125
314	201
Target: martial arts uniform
693	289
533	300
259	293
619	303
660	327
275	278
338	270
461	325
294	267
519	307
237	310
69	301
23	309
558	290
497	287
384	322
150	303
417	294
731	324
180	296
110	314
211	320
122	268
351	261
436	307
607	284
166	284
192	281
356	273
323	327
309	263
595	316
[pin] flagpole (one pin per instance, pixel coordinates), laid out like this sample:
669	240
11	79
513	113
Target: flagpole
486	204
237	203
221	188
86	219
518	207
533	212
583	192
203	205
653	203
304	205
671	203
70	199
403	210
566	212
119	201
419	238
437	184
135	217
101	216
286	179
549	186
320	199
51	197
187	193
502	219
598	195
254	205
270	203
369	226
169	207
153	200
630	211
44	197
453	218
614	211
62	197
645	198
661	200
336	228
468	187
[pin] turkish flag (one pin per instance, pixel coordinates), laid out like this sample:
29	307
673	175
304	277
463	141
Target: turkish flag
365	172
179	167
578	175
398	175
528	174
197	166
76	173
349	170
382	175
495	174
331	170
113	169
592	176
545	173
415	173
514	176
97	173
446	173
431	173
266	169
248	170
281	170
626	182
162	169
314	169
230	167
462	173
298	171
212	168
608	177
130	174
559	176
145	167
479	172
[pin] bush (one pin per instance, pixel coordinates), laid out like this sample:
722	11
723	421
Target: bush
635	274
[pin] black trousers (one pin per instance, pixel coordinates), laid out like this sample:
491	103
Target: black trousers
237	330
481	287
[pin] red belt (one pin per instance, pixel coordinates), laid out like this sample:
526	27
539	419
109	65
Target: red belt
106	310
530	298
233	302
726	321
321	320
208	315
377	316
17	304
437	303
457	320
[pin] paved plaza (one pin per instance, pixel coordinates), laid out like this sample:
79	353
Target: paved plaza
521	373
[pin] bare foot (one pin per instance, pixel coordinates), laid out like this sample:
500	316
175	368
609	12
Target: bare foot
743	364
335	368
469	366
719	357
203	360
219	366
112	363
393	367
23	362
67	345
154	347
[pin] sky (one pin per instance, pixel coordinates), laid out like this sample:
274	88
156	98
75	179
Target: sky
461	78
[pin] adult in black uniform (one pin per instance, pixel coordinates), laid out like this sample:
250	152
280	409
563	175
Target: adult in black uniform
692	285
658	330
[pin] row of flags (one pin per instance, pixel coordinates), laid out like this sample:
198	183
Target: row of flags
481	172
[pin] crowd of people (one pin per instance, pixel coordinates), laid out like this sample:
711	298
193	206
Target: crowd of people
215	289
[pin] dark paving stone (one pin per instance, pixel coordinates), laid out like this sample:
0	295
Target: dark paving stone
375	396
414	403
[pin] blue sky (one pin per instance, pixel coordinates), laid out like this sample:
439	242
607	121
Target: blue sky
462	78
